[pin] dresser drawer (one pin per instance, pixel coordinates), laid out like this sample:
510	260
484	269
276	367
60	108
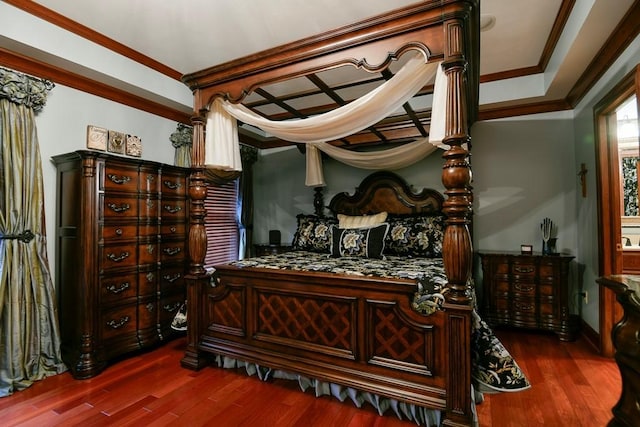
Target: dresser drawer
523	307
118	207
173	209
118	256
120	178
523	290
172	279
169	306
115	289
172	251
118	322
173	185
177	229
523	270
113	233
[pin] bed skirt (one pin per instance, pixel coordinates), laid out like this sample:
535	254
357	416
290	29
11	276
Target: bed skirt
404	411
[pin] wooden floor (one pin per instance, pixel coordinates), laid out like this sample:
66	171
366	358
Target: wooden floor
571	386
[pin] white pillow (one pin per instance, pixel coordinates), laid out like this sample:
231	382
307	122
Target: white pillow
362	221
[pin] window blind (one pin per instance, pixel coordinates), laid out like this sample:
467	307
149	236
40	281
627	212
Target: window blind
221	223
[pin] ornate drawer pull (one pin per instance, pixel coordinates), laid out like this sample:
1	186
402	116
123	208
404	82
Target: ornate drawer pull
122	208
150	204
119	231
173	278
151	178
150	277
149	307
523	269
118	324
115	258
523	288
116	290
119	179
172	185
172	251
173	307
172	209
151	249
173	229
523	307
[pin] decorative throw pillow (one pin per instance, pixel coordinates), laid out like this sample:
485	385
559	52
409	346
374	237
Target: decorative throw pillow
347	221
359	242
313	233
415	236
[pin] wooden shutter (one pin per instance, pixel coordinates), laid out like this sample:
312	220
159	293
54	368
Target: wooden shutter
221	223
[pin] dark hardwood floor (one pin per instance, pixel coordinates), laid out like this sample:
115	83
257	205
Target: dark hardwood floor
571	386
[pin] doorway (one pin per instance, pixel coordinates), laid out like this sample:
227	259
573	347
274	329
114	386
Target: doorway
618	156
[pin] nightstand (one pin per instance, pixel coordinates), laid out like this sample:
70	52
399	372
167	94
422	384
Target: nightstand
528	291
267	249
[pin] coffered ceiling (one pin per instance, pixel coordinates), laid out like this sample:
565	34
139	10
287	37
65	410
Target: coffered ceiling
535	55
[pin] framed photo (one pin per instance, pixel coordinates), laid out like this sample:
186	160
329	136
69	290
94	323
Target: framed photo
526	249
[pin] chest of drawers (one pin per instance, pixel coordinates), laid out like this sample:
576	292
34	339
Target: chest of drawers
121	229
529	291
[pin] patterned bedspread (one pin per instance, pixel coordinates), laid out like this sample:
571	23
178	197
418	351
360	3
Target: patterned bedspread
428	273
493	370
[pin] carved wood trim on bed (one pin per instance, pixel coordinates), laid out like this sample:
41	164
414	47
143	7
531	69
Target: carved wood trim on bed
386	192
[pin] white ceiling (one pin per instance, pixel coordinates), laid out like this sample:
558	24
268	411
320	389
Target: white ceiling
190	35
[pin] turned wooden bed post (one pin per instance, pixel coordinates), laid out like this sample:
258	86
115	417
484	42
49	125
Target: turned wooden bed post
456	174
457	246
196	277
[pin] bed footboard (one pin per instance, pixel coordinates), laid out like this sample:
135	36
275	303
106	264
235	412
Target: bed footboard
355	331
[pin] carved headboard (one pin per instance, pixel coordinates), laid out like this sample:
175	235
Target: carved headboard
386	192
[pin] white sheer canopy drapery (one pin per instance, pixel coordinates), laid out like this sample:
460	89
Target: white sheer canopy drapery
222	148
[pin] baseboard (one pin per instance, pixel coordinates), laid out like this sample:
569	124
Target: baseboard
589	334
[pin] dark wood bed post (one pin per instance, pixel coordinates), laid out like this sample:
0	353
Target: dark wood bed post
196	277
457	245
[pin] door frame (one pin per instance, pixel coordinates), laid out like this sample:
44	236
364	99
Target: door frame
609	200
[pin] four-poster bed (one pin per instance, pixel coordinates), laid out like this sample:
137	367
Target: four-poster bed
235	314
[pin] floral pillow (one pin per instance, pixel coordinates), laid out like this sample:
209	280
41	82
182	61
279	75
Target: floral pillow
313	233
359	242
415	236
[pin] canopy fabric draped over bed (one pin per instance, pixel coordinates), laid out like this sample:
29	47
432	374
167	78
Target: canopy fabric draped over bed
222	146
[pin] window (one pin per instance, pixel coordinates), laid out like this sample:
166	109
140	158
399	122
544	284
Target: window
221	223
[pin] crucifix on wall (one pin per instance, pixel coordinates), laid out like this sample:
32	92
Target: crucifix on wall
583	179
